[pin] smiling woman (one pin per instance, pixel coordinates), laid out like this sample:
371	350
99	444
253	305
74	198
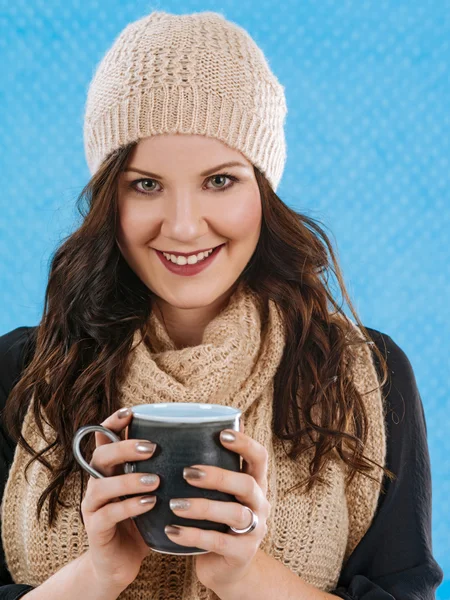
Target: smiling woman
186	213
335	508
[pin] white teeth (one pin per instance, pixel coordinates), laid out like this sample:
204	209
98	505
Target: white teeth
190	260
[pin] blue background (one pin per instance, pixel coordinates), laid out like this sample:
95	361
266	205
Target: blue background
368	95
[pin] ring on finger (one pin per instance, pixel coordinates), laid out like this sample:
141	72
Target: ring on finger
249	528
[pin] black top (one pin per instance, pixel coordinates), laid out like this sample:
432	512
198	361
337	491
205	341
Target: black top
394	560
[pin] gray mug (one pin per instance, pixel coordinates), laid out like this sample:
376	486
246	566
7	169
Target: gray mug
185	434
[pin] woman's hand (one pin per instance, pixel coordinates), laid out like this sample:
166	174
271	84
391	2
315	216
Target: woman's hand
231	554
116	547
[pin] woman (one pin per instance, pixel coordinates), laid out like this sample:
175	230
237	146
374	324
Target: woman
184	139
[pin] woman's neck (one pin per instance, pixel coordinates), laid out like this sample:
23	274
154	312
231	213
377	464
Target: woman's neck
186	326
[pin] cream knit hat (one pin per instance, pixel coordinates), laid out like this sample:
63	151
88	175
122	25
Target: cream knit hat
196	74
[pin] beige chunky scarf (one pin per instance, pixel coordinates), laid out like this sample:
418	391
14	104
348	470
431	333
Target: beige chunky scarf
311	534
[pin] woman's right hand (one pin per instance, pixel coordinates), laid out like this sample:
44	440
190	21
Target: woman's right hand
116	547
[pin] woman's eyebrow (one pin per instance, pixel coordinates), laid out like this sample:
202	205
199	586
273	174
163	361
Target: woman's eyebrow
204	174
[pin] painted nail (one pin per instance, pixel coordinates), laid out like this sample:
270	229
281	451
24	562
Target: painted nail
147	500
149	479
172	530
179	504
193	473
145	447
227	436
124	412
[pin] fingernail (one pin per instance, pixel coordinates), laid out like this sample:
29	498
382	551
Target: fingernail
124	412
149	479
147	500
193	473
172	530
227	436
145	447
179	504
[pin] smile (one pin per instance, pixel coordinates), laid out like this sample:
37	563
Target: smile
190	265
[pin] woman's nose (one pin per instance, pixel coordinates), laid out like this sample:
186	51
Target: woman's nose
183	218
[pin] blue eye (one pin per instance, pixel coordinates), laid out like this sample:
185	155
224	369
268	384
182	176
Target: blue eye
233	179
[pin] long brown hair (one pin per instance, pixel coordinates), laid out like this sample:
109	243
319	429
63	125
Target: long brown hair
94	302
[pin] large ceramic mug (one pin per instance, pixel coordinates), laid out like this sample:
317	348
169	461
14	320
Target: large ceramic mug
185	433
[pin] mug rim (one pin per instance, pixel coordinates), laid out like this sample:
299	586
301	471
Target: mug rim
228	412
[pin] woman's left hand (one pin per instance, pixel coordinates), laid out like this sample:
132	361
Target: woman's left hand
231	554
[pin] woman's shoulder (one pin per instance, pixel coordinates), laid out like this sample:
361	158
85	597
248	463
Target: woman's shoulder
386	344
16	344
405	418
395	558
399	365
16	337
16	349
396	359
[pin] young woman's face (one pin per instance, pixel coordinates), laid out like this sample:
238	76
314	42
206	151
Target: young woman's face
168	203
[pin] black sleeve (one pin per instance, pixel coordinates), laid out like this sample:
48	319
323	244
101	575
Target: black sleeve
394	560
16	348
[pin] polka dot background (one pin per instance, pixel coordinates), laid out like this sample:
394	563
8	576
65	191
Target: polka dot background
368	94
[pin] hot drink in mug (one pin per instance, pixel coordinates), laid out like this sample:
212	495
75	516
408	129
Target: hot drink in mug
185	433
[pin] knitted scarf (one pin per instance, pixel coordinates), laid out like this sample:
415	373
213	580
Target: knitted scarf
310	533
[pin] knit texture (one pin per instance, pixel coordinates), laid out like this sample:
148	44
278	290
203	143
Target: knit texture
310	533
194	74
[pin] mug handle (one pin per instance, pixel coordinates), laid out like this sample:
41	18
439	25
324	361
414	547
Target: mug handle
79	435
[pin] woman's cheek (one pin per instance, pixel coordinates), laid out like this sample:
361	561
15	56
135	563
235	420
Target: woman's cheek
241	219
136	227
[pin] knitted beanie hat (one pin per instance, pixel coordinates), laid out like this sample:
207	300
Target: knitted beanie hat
195	74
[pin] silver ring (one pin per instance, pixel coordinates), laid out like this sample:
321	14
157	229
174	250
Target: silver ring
252	525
